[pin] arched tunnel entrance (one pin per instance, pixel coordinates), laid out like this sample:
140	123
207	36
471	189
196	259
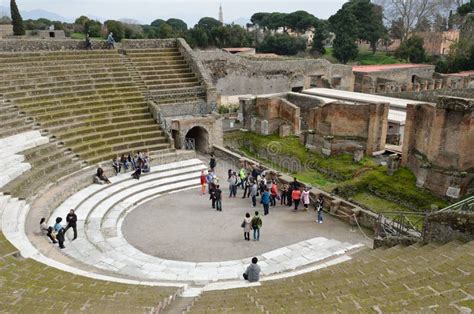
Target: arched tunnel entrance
199	137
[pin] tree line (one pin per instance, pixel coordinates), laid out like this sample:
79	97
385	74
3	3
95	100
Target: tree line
286	33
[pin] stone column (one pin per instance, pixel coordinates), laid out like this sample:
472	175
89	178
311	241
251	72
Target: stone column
264	127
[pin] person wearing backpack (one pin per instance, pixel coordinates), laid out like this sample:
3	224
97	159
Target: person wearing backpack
256	226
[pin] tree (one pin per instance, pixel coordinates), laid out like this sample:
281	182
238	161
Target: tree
320	35
412	50
300	21
260	19
282	44
157	22
423	25
179	26
396	29
409	13
165	31
117	28
197	37
17	20
440	23
344	46
369	21
132	31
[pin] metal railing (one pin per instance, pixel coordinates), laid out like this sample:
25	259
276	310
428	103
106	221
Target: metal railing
466	204
401	224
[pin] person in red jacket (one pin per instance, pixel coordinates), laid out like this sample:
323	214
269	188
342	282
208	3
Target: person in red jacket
295	197
274	194
203	182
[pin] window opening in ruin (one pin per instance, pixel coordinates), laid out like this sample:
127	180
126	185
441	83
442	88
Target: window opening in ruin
52	34
336	81
297	89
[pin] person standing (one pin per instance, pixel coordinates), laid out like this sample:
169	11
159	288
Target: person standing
273	193
71	220
252	273
212	194
247	225
256	226
212	162
320	206
58	228
284	195
295	197
232	184
253	193
218	197
295	185
305	198
242	176
111	41
203	182
265	200
247	184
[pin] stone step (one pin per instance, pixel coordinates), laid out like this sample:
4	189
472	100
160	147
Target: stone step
99	155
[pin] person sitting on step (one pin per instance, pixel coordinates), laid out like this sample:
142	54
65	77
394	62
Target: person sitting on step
100	178
117	166
47	230
137	173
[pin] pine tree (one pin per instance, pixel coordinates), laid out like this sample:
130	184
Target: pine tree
17	20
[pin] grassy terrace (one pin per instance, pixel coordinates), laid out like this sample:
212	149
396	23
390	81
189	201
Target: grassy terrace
366	182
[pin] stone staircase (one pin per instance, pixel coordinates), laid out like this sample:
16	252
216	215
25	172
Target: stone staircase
419	278
89	105
168	78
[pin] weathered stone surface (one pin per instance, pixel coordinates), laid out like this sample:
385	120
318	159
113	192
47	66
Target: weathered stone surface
344	127
438	144
236	75
264	127
285	130
449	225
358	155
393	164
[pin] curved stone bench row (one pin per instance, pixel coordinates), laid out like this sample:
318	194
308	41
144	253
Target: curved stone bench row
101	210
9	149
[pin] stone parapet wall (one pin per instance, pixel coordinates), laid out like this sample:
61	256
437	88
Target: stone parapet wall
449	225
25	45
148	43
198	68
237	75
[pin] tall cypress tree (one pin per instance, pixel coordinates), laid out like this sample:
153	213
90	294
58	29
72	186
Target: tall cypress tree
17	20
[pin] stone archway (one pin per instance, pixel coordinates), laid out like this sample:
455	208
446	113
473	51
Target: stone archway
200	136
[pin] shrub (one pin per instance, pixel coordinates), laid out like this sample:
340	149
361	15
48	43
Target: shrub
282	44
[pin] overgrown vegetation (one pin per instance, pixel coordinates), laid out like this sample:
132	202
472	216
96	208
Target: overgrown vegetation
366	182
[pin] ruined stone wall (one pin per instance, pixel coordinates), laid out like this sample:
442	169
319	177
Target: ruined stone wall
236	75
438	145
14	45
392	80
276	111
6	30
448	226
340	127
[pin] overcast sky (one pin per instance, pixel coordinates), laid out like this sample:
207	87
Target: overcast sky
146	11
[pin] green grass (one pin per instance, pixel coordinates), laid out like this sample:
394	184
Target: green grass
365	182
366	57
82	36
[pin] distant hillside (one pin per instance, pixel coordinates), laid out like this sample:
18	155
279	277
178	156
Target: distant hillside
36	14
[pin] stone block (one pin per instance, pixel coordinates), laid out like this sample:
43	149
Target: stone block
326	151
393	164
285	130
453	192
358	155
334	206
253	124
264	127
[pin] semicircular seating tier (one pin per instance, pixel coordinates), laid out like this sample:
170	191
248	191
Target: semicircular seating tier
101	210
